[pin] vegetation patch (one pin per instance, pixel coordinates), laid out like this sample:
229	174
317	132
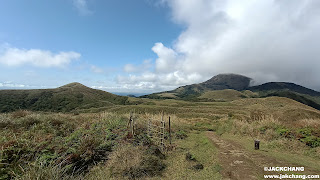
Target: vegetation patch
194	158
40	141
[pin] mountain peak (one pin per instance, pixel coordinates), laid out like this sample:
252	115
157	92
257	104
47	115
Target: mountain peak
227	81
73	85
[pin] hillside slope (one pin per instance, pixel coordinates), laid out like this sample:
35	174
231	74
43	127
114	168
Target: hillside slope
63	99
228	87
218	82
281	86
226	95
290	90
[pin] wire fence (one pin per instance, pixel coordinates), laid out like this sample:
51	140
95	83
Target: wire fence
158	131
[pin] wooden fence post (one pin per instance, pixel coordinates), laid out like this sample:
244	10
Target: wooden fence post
149	129
169	130
162	128
132	120
131	124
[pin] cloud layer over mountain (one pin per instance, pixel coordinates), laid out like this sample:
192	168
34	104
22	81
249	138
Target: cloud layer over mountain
266	40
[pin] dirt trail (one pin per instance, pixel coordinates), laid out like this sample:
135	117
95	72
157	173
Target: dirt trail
238	163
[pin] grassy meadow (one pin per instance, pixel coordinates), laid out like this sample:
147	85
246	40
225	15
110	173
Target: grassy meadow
96	144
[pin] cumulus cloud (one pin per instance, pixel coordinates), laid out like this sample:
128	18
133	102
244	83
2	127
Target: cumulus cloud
266	40
153	81
11	56
82	7
167	58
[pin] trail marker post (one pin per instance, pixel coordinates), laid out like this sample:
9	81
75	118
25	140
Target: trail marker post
256	144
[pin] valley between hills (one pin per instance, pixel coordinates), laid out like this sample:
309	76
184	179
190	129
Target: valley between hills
76	132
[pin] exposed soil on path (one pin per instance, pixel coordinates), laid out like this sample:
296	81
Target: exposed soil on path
239	163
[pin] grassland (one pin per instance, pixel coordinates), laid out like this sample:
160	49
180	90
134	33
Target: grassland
67	98
95	143
226	95
229	87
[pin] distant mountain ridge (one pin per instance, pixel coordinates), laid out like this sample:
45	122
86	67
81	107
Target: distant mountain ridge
66	98
216	89
290	90
218	82
284	86
223	87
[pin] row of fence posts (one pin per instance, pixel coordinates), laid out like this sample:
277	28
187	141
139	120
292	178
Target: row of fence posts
157	133
152	129
154	132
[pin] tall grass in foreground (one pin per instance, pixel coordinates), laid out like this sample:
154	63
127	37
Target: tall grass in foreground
66	146
63	143
301	137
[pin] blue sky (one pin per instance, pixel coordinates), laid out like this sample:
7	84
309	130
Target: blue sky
144	46
106	34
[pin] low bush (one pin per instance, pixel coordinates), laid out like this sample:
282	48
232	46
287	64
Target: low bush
311	141
181	134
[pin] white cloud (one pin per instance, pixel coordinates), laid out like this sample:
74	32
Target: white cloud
265	40
167	58
141	87
12	85
157	82
15	85
82	7
10	56
130	68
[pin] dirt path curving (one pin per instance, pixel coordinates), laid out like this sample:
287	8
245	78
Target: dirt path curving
239	164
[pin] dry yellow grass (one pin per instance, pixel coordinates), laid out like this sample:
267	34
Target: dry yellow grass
312	123
223	95
169	95
193	118
123	159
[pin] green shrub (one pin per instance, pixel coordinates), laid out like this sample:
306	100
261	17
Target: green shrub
283	131
304	132
312	141
181	134
263	129
46	158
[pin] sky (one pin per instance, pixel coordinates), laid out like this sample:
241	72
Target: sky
145	46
